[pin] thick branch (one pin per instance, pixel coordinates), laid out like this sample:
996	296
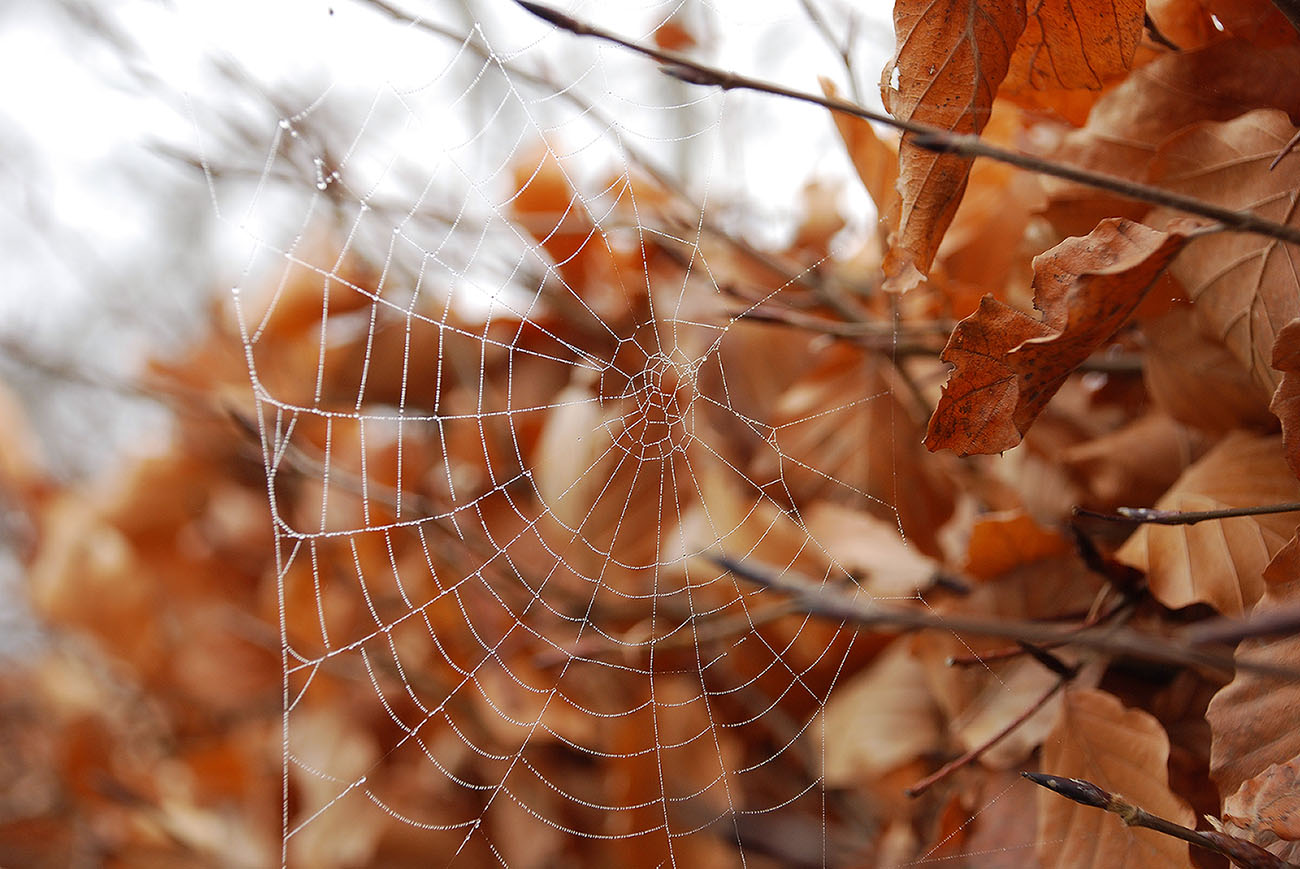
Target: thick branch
926	136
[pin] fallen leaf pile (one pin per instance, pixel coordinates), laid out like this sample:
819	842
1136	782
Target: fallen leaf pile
451	587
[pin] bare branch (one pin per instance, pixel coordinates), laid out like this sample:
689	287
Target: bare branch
1243	853
1150	516
828	602
926	136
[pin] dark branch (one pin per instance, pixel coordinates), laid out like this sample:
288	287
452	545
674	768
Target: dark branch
1240	851
926	136
1150	516
819	600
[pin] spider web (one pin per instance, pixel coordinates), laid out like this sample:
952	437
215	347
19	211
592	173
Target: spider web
522	404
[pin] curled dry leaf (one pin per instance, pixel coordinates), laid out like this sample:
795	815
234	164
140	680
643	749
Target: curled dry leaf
1266	810
1246	287
1286	401
951	58
1009	365
1220	563
1124	751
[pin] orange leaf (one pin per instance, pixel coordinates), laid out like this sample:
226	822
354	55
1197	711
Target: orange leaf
674	35
1246	287
1001	541
1221	562
950	61
1253	718
1286	401
1008	364
875	161
1076	43
1124	751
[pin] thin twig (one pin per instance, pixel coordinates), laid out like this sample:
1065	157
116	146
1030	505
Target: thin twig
1151	516
1286	149
1240	851
927	136
815	599
974	754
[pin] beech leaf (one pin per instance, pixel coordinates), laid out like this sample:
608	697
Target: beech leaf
1076	43
1246	287
1124	751
951	58
1286	401
1219	563
1009	365
1253	718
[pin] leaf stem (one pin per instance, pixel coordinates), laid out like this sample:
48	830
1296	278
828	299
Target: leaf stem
924	135
1151	516
1242	852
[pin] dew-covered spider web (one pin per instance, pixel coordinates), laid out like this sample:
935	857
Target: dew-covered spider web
543	342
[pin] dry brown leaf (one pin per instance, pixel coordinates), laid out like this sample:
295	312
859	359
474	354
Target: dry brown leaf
1266	810
1076	43
1153	102
1221	562
870	549
1286	400
1009	365
951	58
875	161
881	718
1253	718
1193	378
1019	684
1134	464
1124	751
1246	287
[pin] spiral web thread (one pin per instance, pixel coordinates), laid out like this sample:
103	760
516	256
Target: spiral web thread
517	394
